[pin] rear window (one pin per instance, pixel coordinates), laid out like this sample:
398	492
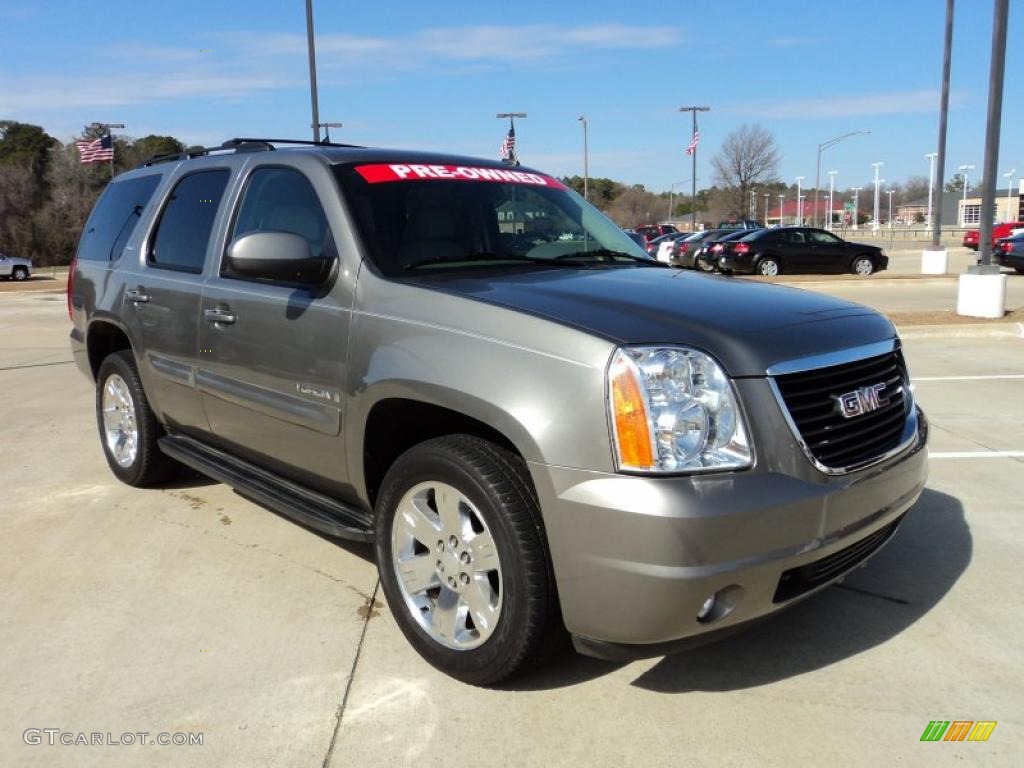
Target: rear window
187	220
114	218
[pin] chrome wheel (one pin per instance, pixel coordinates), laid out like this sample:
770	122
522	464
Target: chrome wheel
863	266
119	427
768	268
446	565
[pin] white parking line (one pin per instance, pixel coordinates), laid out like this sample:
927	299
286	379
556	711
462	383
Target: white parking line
916	379
976	455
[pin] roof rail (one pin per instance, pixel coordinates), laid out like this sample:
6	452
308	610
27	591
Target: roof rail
238	145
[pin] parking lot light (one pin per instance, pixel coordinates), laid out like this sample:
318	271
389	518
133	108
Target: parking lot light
799	204
831	192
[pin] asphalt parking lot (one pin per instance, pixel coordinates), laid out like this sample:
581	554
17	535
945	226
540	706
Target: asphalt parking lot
187	608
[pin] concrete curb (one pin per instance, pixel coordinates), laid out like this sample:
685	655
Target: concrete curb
963	331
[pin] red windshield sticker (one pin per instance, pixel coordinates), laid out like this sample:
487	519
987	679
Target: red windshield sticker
383	172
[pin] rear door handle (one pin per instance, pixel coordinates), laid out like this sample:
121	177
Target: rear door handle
136	296
219	316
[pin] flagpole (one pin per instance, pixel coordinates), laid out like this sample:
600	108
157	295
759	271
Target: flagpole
693	195
512	159
110	136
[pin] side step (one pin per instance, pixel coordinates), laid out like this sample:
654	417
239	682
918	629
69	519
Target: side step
314	509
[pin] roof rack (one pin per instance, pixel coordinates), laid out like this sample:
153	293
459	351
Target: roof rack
238	145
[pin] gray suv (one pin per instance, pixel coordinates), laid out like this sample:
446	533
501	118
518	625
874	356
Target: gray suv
538	427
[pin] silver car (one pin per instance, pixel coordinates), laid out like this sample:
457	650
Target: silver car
15	268
539	428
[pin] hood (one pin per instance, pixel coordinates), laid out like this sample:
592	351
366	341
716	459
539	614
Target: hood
865	246
748	326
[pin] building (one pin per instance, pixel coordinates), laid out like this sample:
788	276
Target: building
788	213
1008	207
916	211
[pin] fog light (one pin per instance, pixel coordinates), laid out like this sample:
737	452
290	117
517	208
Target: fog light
705	610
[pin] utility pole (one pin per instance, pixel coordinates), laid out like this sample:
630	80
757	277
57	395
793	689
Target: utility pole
878	181
856	206
327	130
831	192
963	203
312	71
799	203
889	193
694	140
586	160
931	185
817	174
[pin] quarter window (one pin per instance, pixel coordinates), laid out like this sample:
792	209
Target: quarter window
114	218
283	200
185	224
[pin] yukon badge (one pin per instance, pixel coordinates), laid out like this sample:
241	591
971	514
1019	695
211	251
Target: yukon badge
862	400
318	392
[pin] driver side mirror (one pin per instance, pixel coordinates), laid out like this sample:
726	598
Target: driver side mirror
277	256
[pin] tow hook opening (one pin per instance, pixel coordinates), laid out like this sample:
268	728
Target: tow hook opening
720	604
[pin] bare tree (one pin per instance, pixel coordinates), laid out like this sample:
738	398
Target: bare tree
748	157
636	206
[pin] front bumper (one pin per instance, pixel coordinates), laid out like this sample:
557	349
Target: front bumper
635	558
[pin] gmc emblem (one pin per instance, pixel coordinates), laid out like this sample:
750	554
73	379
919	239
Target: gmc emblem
862	400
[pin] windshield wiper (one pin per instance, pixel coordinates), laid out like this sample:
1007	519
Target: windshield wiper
600	254
489	259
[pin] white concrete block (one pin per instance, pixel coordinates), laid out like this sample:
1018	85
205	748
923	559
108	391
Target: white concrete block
934	262
981	296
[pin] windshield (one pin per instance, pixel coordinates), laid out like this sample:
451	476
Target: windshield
460	217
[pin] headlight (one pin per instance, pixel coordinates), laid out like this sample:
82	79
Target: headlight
673	409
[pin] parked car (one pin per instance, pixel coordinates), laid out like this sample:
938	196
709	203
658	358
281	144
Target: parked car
683	249
539	429
741	224
694	252
636	237
999	231
663	252
651	231
15	268
713	249
801	249
1009	252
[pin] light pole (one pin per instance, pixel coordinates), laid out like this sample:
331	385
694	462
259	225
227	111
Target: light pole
931	185
997	71
964	178
671	194
106	127
889	193
753	203
878	181
799	204
831	192
856	206
312	71
586	160
766	196
327	130
817	174
693	154
512	158
1009	183
940	165
782	203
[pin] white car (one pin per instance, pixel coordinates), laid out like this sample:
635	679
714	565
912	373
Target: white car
15	268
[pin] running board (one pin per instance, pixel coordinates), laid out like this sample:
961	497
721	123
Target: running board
308	507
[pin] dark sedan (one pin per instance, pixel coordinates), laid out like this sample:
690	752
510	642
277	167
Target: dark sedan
801	249
696	245
1009	252
710	257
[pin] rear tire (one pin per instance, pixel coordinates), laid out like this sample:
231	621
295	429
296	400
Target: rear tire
459	535
19	274
768	266
128	429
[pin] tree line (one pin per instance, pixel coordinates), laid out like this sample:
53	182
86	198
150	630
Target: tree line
46	193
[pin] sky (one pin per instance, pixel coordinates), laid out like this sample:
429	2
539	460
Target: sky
433	76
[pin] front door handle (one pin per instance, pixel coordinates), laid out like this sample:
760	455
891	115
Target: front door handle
136	296
219	316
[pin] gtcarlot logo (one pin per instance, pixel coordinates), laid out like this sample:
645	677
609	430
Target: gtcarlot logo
58	736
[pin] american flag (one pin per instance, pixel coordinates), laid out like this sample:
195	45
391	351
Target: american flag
693	144
98	150
508	146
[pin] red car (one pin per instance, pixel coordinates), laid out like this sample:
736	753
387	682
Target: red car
651	231
999	231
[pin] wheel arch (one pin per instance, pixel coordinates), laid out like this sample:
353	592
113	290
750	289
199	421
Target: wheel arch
103	337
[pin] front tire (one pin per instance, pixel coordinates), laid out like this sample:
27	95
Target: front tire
863	266
128	429
463	560
19	274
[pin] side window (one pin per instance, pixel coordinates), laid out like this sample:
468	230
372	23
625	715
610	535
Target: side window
795	236
185	224
283	200
824	238
113	220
